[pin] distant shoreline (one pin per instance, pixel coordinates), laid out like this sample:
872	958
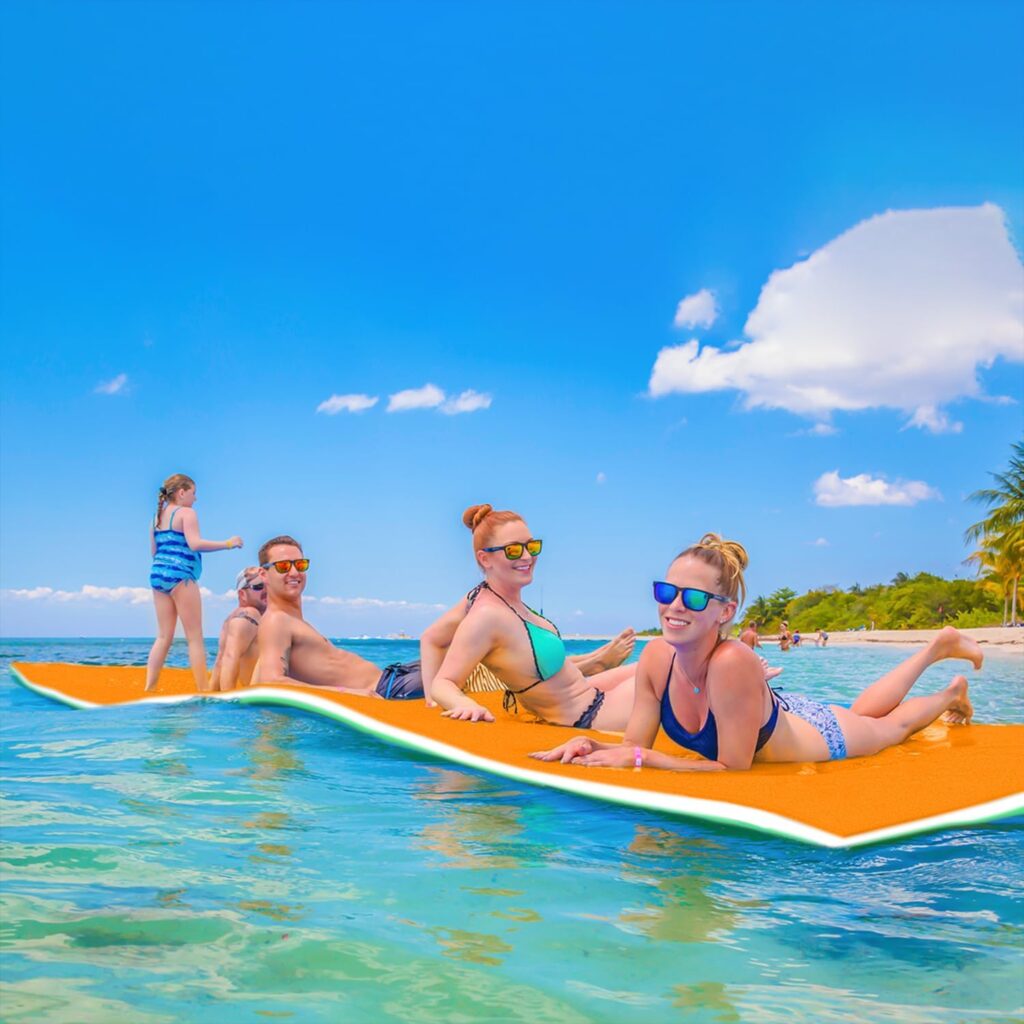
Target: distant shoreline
1003	637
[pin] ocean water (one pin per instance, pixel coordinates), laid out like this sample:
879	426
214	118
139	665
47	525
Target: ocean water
209	862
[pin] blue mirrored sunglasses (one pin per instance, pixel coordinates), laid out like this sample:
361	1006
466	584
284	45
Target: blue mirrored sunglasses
693	599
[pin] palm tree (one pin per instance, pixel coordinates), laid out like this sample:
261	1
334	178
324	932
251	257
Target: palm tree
1002	530
995	570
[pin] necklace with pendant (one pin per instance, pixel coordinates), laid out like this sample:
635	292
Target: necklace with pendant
693	686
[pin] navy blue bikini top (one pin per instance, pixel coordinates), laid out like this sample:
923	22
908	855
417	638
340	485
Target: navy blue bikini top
705	740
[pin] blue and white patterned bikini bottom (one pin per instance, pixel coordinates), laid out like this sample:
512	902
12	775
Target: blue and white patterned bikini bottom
822	717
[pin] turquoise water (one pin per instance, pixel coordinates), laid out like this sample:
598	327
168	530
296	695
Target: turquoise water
209	862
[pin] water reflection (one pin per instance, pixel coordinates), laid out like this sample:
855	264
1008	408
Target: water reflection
474	834
711	997
271	753
681	870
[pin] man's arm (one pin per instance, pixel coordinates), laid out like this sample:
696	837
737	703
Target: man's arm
275	644
240	634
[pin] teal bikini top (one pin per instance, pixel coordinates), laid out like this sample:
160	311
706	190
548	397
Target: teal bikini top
547	646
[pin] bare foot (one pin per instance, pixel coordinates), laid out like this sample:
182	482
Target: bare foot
611	655
951	643
961	711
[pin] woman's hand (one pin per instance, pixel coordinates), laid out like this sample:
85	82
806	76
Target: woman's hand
578	746
468	712
769	672
234	542
610	757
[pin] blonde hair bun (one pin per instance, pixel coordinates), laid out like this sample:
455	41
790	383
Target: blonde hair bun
729	557
732	551
475	515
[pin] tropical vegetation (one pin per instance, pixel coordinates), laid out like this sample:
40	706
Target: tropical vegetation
923	601
999	558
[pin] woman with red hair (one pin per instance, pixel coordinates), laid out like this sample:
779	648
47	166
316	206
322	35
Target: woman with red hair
521	647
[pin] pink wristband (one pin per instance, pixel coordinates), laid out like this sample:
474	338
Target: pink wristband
638	758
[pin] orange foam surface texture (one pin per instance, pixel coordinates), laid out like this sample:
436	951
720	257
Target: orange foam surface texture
939	770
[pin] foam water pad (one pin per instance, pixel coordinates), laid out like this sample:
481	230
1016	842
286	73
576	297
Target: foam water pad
944	777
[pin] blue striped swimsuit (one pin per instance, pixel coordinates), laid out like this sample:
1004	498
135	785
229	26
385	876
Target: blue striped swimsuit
174	560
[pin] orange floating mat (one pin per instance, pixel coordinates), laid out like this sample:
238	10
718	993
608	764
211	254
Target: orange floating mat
943	777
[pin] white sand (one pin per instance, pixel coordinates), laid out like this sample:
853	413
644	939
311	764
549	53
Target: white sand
1005	638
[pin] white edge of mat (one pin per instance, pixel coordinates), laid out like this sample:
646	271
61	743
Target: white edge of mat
693	807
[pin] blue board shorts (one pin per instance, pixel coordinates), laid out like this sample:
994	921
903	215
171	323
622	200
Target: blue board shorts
401	682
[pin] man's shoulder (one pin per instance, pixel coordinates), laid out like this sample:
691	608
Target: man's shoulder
244	618
279	621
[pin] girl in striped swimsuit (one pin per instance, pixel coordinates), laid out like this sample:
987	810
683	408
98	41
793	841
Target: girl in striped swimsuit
176	546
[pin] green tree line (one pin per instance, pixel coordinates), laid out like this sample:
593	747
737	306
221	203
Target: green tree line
923	601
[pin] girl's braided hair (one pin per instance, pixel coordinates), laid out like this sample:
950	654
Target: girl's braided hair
171	486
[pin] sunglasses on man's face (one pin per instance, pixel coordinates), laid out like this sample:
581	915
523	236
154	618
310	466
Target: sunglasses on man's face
516	549
693	599
255	586
282	566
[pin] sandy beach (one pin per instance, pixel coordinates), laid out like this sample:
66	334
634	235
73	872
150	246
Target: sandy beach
1005	638
1011	639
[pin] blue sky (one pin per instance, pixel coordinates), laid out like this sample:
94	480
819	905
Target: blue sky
218	216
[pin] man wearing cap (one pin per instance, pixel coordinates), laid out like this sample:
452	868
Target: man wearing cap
238	651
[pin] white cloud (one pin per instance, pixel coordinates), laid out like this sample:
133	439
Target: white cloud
697	310
822	430
109	595
375	602
821	542
935	420
833	491
347	403
601	478
88	592
112	387
426	397
468	401
899	312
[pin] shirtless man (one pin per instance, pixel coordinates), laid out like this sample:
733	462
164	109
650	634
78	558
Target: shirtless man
749	636
237	651
290	649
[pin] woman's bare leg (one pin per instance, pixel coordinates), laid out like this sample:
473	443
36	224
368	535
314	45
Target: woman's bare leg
867	735
885	694
606	681
166	620
607	656
189	604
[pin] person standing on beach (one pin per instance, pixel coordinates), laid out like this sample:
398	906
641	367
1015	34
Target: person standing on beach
177	547
291	650
237	650
785	639
749	636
